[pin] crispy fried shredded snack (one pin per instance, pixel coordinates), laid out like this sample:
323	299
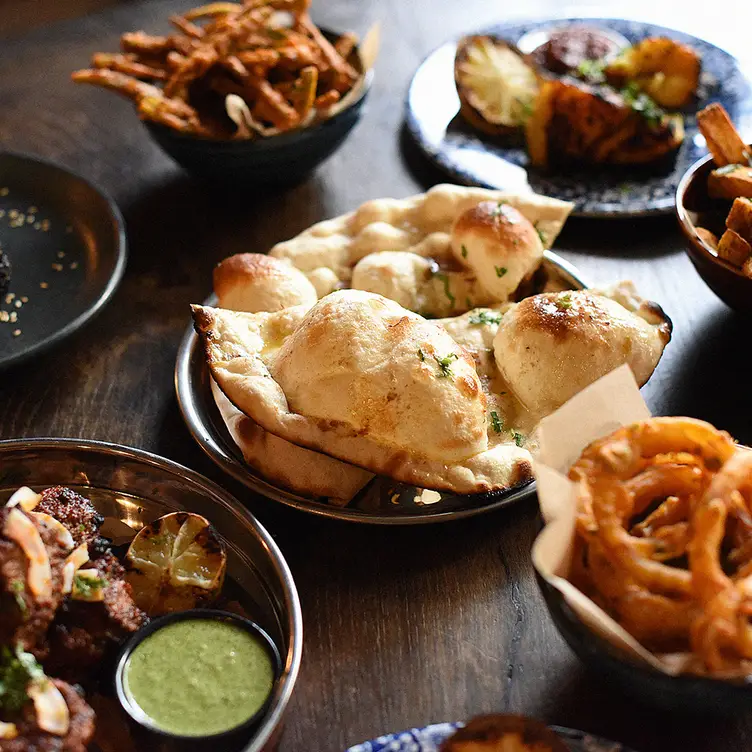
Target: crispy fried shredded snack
268	53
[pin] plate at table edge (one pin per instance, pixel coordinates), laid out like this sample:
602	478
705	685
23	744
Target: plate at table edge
654	193
207	428
429	738
136	486
104	287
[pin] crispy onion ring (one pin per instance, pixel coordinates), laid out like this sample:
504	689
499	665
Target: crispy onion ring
637	492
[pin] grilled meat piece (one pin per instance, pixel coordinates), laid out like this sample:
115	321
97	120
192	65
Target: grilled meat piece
86	632
26	615
76	512
32	739
4	271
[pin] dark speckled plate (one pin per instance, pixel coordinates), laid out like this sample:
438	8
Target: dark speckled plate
430	738
66	245
473	158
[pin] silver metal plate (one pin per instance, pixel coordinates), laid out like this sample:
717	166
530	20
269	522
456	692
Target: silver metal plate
130	488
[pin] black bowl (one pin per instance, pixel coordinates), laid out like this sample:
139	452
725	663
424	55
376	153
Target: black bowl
262	162
223	740
690	694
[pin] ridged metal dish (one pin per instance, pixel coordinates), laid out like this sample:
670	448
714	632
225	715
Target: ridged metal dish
130	488
382	501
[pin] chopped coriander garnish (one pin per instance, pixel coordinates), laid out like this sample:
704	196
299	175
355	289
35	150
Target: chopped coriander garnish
18	588
540	234
592	70
87	586
421	355
485	317
519	439
445	279
445	364
624	188
17	670
503	211
468	303
463	249
500	270
641	103
564	302
496	421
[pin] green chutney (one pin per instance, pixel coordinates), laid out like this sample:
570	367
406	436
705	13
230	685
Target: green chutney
199	677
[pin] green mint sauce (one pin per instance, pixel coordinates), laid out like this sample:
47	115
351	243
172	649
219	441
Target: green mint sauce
199	677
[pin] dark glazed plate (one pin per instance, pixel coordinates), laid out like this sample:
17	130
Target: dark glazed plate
381	501
67	257
276	160
688	694
430	738
472	158
694	208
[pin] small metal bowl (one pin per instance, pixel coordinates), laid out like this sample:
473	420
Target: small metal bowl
131	488
262	162
232	736
692	204
684	693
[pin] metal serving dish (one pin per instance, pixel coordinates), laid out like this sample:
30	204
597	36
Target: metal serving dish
131	488
382	501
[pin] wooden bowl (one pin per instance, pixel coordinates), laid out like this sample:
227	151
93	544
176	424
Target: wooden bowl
694	208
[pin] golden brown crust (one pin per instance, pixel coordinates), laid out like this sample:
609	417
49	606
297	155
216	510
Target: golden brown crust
504	733
500	223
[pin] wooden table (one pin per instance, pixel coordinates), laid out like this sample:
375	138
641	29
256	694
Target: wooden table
403	626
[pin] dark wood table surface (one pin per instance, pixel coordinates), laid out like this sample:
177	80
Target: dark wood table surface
403	627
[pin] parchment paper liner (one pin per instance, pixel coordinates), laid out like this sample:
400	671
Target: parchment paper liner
606	405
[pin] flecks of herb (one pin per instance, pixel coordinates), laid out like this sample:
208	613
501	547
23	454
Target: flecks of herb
445	279
500	270
445	363
540	234
87	587
18	588
726	169
519	439
564	302
421	355
641	103
624	188
592	70
485	317
496	422
17	669
463	248
505	212
468	303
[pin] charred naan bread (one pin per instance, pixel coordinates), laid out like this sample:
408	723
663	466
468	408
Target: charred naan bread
254	282
364	380
549	347
337	253
301	470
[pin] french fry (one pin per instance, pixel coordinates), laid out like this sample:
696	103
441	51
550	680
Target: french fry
733	248
187	27
129	65
707	237
723	140
212	10
740	218
747	268
303	92
730	182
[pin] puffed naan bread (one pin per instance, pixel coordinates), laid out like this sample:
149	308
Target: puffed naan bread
328	252
549	347
385	403
254	282
301	470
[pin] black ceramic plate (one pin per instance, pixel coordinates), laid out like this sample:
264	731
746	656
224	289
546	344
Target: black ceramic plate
473	158
66	245
381	501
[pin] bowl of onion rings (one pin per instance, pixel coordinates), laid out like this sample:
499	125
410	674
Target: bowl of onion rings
662	548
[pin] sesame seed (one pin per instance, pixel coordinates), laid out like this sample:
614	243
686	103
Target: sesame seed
44	285
4	191
2	213
4	317
32	210
9	297
45	225
18	304
74	265
57	267
61	254
16	332
13	317
29	219
24	299
13	213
